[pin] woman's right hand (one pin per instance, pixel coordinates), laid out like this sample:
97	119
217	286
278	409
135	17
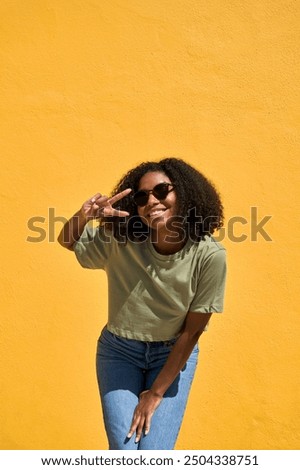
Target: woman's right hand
100	206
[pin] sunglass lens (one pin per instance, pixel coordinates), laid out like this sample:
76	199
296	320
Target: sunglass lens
140	198
161	191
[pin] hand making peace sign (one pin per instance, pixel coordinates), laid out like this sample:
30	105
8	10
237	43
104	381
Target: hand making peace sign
102	206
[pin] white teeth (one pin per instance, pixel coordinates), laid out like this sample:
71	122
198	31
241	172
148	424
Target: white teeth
155	213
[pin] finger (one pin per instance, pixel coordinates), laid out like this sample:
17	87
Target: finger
147	424
96	196
98	202
100	199
120	195
139	431
134	425
117	213
131	431
108	211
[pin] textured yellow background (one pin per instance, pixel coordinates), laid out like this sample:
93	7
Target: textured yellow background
88	90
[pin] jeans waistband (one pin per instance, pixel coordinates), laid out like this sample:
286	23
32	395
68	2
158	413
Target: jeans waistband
149	344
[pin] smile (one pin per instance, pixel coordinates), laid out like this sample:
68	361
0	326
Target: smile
156	213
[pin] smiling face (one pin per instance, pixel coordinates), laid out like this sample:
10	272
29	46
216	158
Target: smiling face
156	213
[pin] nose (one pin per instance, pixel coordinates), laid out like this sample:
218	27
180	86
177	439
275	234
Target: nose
152	199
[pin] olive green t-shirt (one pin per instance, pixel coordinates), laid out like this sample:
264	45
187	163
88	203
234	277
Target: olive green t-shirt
149	294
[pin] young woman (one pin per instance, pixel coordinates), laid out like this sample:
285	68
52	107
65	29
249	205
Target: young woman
166	277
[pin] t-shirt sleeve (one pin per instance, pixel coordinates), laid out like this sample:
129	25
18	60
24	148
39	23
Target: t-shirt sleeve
209	295
92	249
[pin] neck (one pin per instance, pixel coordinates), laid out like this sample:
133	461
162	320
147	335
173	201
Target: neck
165	244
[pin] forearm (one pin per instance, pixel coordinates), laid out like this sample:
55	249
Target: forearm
72	230
179	354
176	360
149	400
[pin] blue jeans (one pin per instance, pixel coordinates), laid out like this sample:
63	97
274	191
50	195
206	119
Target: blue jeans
125	368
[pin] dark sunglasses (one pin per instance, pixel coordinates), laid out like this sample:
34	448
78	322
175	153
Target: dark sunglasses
160	191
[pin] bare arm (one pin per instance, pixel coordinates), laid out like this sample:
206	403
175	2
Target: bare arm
72	230
150	399
94	208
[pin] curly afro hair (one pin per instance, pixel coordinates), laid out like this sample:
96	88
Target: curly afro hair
198	202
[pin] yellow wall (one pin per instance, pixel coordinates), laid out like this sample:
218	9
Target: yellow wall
90	89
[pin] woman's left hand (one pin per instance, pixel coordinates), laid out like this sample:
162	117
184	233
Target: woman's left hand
143	413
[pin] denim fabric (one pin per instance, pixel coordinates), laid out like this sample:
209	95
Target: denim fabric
125	368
